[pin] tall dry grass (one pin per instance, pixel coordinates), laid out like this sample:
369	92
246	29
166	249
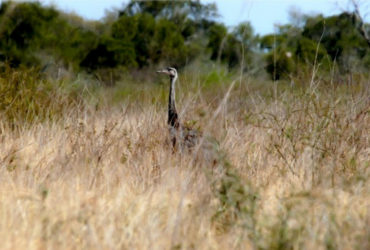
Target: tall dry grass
292	172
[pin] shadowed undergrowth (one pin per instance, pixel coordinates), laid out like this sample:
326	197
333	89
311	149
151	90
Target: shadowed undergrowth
26	96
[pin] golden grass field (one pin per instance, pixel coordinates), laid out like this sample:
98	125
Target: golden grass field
291	171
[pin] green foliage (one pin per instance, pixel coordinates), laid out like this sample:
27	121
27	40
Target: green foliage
110	53
20	28
178	12
29	29
243	42
232	48
152	33
217	37
340	37
238	203
280	64
306	50
271	41
321	40
147	33
124	28
169	44
143	40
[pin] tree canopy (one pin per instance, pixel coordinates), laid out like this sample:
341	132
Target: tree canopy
146	33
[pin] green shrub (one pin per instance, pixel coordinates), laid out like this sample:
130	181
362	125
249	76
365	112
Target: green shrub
280	64
238	204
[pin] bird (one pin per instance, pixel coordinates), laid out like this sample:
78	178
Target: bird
181	136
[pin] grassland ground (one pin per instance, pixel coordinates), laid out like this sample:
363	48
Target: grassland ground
292	171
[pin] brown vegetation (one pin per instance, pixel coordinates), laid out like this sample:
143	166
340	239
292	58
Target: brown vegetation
292	173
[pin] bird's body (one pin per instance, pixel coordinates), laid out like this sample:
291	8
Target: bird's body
181	136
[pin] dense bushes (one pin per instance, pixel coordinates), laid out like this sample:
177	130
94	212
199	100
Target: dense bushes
321	41
146	33
26	96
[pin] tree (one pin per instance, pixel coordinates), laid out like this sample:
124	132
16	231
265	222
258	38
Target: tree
232	48
143	40
22	25
245	43
168	43
363	30
280	64
109	53
217	36
307	51
340	37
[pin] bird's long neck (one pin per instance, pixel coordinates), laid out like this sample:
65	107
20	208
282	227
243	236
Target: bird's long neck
173	119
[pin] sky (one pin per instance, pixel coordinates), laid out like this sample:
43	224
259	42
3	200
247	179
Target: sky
262	14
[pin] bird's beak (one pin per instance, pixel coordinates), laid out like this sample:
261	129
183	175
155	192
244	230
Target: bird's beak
163	71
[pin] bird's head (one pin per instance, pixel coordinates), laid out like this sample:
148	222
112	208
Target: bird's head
172	72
